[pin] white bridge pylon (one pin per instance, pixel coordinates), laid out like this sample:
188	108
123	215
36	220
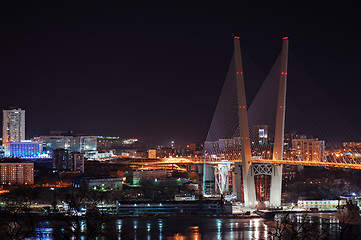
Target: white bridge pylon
246	169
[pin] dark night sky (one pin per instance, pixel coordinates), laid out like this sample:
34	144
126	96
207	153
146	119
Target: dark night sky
156	71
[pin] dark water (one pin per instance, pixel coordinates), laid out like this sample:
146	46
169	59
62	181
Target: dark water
200	228
184	228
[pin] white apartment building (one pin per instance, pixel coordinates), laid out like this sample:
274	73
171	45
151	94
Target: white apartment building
13	125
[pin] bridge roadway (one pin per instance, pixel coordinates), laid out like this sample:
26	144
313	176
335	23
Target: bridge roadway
166	161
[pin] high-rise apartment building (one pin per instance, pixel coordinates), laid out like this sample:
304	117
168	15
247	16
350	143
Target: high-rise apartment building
13	125
78	162
17	173
64	160
261	134
308	149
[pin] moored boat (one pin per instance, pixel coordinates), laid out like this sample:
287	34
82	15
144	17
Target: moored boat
266	214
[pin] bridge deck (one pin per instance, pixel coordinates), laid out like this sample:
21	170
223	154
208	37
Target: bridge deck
164	161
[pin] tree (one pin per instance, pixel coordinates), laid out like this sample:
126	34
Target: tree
83	216
17	221
305	227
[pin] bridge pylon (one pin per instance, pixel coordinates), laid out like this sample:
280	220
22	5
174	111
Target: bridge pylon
243	170
244	179
276	179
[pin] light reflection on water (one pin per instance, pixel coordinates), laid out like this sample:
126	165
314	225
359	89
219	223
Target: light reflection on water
195	228
44	231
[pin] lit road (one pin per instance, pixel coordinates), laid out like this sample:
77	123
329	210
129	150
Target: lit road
150	163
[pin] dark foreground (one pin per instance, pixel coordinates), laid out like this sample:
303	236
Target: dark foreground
320	227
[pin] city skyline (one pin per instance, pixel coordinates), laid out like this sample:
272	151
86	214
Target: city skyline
123	70
225	120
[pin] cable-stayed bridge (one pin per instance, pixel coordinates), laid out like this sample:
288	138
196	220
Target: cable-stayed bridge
286	123
260	138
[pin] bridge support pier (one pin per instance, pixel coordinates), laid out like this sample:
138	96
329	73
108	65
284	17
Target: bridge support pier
248	185
237	181
222	179
276	186
244	174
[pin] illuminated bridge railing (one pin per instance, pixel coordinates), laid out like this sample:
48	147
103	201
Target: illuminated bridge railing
328	161
340	162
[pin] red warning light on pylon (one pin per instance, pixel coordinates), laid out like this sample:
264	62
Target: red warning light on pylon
284	38
236	37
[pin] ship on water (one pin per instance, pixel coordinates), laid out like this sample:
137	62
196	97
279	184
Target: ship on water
349	211
263	212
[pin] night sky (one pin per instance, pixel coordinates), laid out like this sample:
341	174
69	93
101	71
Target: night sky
156	70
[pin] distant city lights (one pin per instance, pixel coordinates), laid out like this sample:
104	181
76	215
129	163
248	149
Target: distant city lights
130	141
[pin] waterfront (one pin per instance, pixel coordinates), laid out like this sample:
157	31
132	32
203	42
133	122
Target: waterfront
203	228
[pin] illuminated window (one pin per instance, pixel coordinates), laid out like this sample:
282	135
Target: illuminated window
261	132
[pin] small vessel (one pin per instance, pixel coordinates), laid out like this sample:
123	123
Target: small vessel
349	210
266	214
